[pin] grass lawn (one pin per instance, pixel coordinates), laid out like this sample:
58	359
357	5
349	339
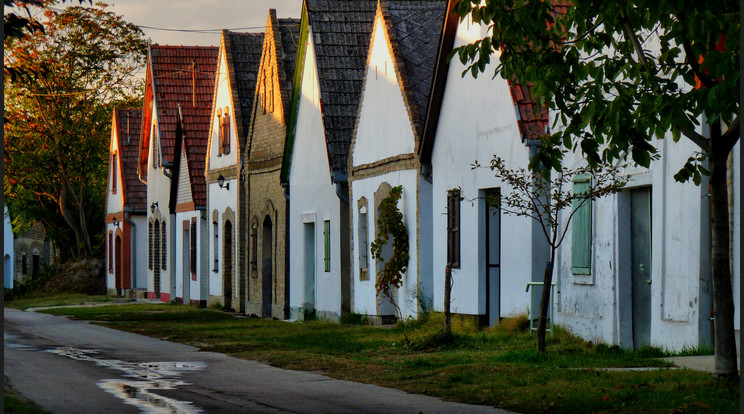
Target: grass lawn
63	299
497	367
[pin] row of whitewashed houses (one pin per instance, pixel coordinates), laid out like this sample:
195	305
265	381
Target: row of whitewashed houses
267	202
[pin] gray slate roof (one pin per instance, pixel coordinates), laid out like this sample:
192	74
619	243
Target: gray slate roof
245	49
290	35
341	35
416	31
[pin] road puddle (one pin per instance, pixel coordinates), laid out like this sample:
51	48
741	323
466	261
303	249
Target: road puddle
8	343
147	377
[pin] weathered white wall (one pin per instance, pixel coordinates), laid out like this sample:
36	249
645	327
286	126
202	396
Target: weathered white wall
114	200
312	199
222	100
594	306
196	289
385	118
158	191
477	121
220	199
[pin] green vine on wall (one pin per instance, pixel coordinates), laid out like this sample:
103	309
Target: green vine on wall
390	223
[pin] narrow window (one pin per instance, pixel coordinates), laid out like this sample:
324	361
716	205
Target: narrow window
163	245
192	262
114	168
110	252
24	268
453	228
154	146
226	133
363	246
149	245
327	244
216	248
219	132
254	246
581	228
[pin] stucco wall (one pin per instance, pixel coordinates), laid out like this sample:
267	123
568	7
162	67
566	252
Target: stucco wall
313	200
222	100
478	121
220	199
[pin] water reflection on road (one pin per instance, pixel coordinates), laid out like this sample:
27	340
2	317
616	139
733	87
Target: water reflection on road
148	376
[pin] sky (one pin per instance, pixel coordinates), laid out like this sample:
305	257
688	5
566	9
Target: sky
199	15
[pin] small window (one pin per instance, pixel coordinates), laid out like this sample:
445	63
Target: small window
581	228
164	246
114	169
453	228
254	246
225	135
219	132
24	265
149	245
327	245
155	146
216	247
110	252
363	243
192	262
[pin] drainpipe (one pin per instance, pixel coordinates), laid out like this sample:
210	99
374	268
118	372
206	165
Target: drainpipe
339	179
167	166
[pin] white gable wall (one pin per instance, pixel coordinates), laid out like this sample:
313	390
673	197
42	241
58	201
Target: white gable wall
158	191
478	120
386	120
313	200
220	199
384	130
223	99
114	200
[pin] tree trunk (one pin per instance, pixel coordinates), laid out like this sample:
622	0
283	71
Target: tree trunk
447	296
542	320
70	219
723	301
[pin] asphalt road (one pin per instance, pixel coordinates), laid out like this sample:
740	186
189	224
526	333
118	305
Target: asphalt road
76	367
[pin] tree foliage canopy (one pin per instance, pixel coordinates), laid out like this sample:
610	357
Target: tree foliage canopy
69	74
618	74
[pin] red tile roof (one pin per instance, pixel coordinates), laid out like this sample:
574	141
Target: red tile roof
128	123
531	119
175	79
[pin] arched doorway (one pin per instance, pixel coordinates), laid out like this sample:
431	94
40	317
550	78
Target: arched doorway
117	265
227	264
267	267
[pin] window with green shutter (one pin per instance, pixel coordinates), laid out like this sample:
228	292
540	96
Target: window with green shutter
327	244
581	228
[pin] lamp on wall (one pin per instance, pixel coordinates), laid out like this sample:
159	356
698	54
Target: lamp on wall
115	221
153	206
221	182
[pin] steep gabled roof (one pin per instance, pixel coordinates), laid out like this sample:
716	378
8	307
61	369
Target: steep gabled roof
341	36
134	191
531	120
243	52
414	29
175	79
289	30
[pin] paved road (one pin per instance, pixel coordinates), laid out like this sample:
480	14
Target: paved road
76	367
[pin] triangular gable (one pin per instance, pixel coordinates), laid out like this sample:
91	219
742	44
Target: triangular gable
127	124
276	63
412	31
531	124
341	34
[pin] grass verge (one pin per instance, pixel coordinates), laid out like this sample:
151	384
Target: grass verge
39	300
496	367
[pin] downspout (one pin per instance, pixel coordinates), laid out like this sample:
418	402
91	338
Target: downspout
339	179
345	273
287	236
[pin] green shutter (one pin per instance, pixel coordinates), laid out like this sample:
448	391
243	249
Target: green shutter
327	242
581	228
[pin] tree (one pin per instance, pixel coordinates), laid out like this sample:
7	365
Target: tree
620	74
542	198
390	223
68	78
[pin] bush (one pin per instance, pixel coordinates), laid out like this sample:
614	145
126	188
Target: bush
84	275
